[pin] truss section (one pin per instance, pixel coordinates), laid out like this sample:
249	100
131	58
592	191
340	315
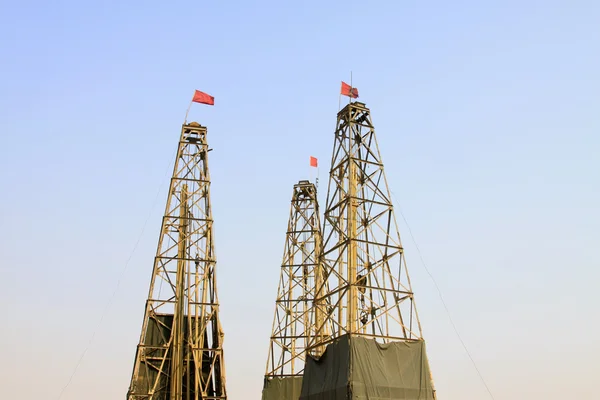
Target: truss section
296	321
369	292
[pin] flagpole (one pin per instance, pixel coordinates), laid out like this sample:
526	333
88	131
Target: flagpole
351	89
188	110
317	179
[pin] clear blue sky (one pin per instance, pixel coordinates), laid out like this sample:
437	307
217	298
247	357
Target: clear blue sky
487	114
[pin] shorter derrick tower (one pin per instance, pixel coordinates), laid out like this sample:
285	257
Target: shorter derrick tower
296	320
180	351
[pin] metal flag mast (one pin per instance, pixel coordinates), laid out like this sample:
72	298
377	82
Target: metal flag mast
351	87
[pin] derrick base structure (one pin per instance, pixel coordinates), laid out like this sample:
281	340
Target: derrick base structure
157	336
355	367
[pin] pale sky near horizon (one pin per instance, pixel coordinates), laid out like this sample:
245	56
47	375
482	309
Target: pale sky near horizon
487	116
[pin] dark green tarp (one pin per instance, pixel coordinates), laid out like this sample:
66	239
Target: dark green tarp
155	348
286	388
357	368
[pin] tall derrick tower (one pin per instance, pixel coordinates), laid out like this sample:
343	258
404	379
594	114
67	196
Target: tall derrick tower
370	290
295	318
180	353
369	301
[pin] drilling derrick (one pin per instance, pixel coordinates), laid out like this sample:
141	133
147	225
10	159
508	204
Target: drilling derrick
180	353
370	287
375	331
295	318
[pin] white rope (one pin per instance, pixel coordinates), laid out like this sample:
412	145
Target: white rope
444	302
108	304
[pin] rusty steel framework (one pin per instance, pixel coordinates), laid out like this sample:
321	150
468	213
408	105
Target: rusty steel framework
180	353
295	318
369	291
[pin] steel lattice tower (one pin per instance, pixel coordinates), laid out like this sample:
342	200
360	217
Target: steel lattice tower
295	318
180	353
369	290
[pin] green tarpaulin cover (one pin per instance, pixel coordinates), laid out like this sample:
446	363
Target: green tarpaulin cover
358	368
287	388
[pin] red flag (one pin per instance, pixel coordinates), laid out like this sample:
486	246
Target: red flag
349	91
201	97
313	162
